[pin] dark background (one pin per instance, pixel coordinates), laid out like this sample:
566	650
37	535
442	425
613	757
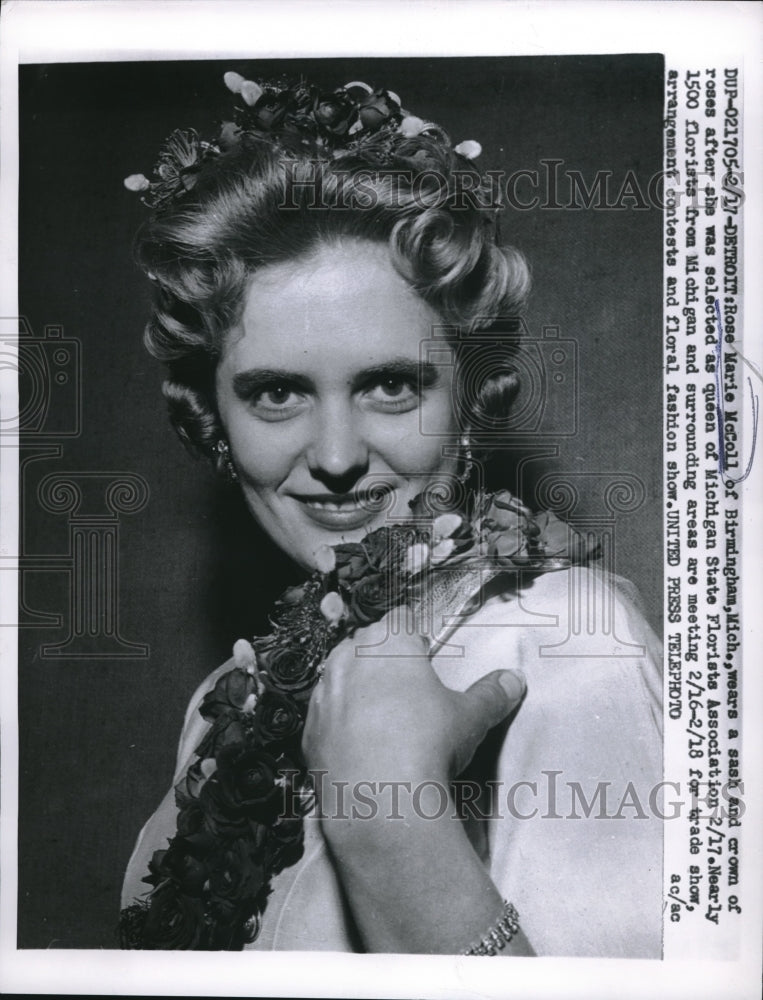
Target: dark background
97	736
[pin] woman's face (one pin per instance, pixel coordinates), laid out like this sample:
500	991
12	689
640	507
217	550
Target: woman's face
327	399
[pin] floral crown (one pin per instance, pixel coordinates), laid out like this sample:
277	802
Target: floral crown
291	115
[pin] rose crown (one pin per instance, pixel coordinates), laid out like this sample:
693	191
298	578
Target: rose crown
335	124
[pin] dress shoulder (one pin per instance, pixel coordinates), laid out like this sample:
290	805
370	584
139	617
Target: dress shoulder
575	832
580	616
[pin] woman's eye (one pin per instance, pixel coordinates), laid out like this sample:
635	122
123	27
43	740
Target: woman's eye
277	401
394	393
394	386
277	396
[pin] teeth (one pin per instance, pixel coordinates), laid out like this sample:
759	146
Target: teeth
330	505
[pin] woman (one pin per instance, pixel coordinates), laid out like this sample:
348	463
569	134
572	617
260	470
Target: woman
321	272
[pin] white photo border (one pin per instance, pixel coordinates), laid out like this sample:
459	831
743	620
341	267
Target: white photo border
91	30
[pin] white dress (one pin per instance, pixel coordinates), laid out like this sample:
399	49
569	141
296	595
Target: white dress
574	831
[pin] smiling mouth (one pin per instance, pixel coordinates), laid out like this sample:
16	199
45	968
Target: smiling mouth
337	513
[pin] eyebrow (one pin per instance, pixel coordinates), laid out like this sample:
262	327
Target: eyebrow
248	383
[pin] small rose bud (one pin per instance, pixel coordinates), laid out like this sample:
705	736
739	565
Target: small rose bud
137	182
243	655
325	559
208	766
251	92
416	558
411	125
233	81
444	525
333	607
470	149
442	550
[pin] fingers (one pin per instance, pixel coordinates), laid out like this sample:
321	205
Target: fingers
489	700
514	683
399	621
392	637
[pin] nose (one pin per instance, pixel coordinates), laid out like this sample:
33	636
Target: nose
338	453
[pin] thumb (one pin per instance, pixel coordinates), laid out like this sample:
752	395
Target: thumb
483	705
490	699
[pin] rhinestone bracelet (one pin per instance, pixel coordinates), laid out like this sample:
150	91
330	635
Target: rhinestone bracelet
498	936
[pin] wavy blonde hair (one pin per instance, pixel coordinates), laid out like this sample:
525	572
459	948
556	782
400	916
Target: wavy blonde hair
260	204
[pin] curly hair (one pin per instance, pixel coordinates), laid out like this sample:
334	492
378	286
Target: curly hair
261	204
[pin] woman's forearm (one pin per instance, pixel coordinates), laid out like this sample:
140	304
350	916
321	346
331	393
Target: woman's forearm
415	884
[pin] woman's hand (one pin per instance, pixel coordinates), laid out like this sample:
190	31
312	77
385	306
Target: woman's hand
380	713
384	729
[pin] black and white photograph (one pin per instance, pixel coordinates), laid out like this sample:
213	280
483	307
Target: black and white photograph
374	577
